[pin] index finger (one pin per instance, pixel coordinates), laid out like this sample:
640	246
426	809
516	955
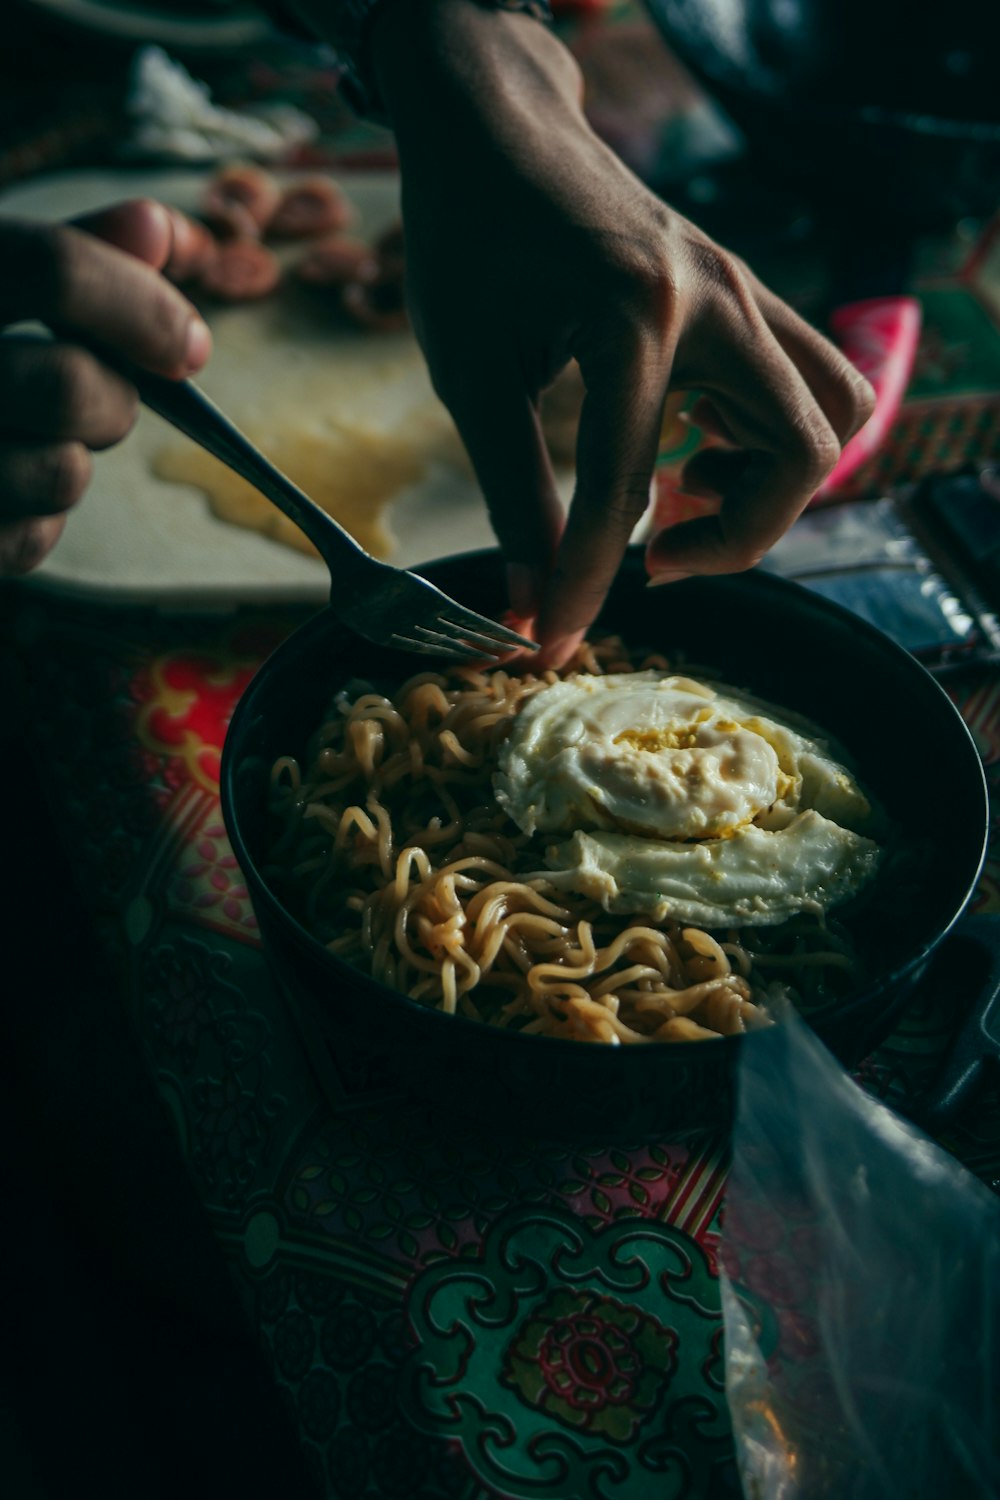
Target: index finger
163	237
788	447
616	455
75	283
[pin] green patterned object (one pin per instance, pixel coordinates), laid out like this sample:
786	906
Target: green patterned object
572	1363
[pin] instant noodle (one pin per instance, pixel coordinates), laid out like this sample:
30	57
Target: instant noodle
390	847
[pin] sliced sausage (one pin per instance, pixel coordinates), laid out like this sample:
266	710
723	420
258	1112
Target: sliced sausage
242	271
335	261
378	304
240	196
233	222
313	206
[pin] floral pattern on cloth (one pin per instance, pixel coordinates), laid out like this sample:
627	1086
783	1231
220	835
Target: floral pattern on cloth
422	1289
554	1385
187	707
592	1362
207	880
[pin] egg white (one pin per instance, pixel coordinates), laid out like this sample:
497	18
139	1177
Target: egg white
686	800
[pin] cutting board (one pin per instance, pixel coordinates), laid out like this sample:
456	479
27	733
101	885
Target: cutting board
292	372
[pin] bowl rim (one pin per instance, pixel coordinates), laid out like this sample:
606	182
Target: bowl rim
324	621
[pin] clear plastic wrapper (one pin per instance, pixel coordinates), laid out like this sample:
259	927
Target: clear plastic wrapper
922	564
861	1293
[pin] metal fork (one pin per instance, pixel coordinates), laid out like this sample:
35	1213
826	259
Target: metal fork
390	606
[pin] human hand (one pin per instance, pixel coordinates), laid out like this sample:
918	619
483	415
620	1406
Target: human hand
528	242
97	280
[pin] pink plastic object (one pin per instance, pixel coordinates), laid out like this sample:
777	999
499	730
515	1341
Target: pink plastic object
879	336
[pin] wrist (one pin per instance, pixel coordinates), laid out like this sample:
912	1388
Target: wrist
436	62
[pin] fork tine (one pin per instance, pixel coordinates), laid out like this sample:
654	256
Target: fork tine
406	643
464	636
435	645
442	641
480	628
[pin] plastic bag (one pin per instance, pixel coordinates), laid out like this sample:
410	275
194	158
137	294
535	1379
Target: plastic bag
176	120
861	1293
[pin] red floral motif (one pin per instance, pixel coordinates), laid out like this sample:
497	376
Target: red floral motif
188	711
209	879
589	1363
592	1362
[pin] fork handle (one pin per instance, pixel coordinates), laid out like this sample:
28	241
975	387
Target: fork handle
186	407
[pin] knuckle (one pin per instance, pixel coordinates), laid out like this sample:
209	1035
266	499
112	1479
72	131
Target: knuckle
118	417
825	446
743	556
613	503
852	399
56	267
168	317
641	284
625	505
654	275
130	414
655	295
69	474
812	447
22	547
861	400
721	274
84	400
69	377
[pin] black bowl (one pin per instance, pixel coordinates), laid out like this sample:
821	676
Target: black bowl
760	633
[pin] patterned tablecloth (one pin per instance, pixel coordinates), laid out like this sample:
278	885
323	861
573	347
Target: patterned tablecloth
447	1312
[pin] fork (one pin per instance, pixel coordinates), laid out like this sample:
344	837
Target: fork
390	606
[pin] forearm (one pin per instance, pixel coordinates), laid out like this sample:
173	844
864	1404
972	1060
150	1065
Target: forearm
432	58
420	60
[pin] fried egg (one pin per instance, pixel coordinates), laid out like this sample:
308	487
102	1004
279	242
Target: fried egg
685	800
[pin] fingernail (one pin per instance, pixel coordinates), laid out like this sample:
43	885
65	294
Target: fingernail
524	587
199	344
660	578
